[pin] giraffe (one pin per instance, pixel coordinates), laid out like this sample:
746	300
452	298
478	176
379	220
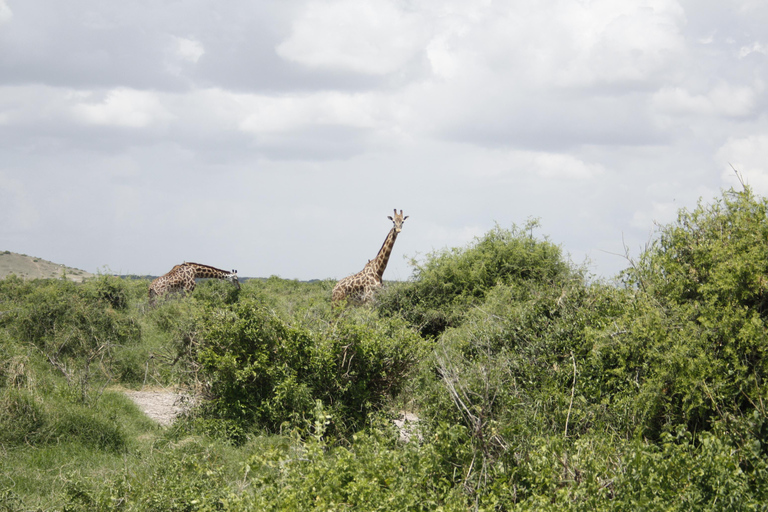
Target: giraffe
359	288
181	279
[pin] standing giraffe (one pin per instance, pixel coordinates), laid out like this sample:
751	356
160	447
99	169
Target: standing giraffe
359	288
181	279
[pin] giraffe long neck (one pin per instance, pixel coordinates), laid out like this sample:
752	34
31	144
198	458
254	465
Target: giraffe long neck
207	272
379	264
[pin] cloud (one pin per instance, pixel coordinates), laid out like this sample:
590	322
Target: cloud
547	165
187	49
5	12
559	44
659	213
182	52
373	37
124	108
749	156
560	166
755	47
18	212
269	114
722	100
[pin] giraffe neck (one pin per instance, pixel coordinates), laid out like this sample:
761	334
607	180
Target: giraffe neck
206	272
379	264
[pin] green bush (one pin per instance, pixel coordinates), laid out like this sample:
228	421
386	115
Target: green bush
26	419
111	290
705	277
76	328
449	282
261	370
62	318
21	417
216	292
373	473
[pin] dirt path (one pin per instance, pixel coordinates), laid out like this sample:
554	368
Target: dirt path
161	406
166	406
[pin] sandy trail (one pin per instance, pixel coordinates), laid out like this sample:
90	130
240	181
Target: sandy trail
161	406
166	406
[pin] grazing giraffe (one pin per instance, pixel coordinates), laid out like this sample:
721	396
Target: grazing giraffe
181	279
359	288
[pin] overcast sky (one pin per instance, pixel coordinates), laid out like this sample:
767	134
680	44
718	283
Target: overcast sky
275	137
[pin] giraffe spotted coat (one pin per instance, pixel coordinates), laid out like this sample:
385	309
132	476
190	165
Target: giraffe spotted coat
181	280
360	288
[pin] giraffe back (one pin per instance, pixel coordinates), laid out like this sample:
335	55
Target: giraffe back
181	280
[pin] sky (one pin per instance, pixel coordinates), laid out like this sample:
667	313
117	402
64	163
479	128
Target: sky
275	136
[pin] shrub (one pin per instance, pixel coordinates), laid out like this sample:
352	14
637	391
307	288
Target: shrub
21	417
706	275
75	329
262	370
449	282
373	473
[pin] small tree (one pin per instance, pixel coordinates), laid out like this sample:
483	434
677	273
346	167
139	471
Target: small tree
449	282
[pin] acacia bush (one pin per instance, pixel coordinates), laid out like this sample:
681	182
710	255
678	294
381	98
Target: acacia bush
261	370
447	283
707	275
75	327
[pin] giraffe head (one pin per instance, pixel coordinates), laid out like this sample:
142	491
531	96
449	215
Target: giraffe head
398	220
232	278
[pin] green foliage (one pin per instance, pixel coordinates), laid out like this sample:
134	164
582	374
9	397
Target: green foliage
21	417
705	280
26	419
187	477
449	282
535	388
75	327
216	292
261	370
372	474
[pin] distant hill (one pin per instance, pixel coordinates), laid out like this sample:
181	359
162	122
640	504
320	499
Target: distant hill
29	267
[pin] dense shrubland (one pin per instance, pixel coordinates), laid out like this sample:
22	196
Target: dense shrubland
537	387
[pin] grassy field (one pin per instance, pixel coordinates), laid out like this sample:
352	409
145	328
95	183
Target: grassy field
536	387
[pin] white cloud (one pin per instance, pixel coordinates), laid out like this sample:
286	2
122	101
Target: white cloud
18	212
182	52
553	165
559	44
269	114
440	236
755	47
123	107
749	156
545	165
608	41
659	213
372	37
722	100
189	50
5	12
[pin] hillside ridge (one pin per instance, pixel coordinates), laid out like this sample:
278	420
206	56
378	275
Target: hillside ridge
31	267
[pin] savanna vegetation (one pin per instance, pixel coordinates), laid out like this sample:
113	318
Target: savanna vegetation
536	386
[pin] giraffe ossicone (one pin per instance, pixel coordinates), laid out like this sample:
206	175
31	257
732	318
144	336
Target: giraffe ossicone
181	279
360	288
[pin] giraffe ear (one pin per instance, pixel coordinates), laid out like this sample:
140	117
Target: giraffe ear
390	218
405	218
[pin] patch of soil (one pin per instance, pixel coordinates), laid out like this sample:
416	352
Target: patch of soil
165	406
161	406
